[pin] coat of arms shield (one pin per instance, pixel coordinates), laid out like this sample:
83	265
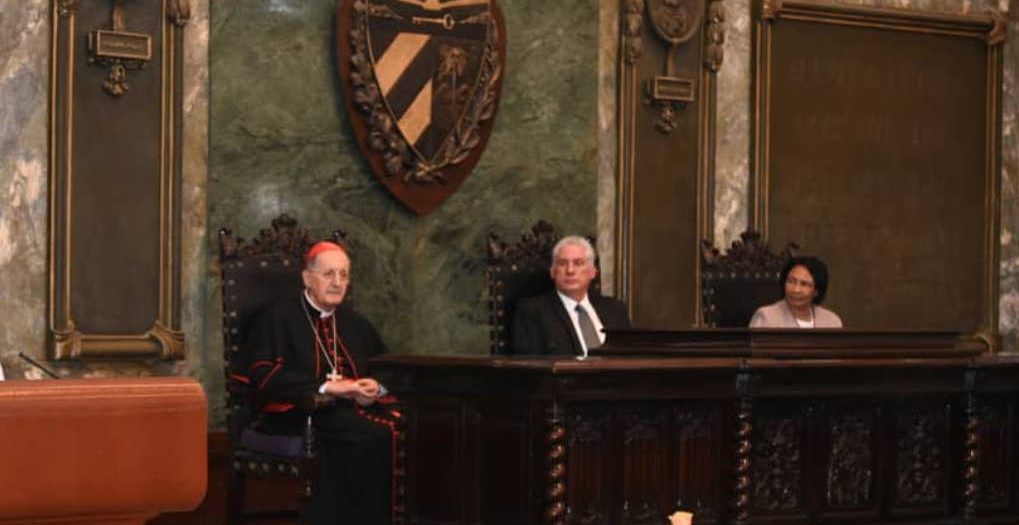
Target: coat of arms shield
421	80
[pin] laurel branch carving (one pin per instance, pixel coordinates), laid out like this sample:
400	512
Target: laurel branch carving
398	157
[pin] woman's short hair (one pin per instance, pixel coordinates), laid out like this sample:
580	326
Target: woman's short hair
818	270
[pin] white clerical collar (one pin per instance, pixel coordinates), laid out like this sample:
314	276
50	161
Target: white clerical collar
322	313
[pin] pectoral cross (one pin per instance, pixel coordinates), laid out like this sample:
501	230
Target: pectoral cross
119	49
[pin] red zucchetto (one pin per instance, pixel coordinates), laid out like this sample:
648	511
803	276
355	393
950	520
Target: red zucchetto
323	246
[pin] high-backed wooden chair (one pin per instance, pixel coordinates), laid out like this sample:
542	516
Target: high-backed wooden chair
516	271
735	284
256	274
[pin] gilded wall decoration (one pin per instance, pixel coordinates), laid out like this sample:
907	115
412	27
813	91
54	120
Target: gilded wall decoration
675	22
118	49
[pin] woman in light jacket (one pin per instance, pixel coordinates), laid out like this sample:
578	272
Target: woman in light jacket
804	281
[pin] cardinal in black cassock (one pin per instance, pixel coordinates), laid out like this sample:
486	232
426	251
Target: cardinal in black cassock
315	343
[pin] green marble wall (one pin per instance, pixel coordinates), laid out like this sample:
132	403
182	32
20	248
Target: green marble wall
280	142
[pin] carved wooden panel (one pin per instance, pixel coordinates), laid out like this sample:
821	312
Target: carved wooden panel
589	459
644	472
436	422
877	148
503	445
697	434
922	464
670	51
777	467
115	175
737	441
995	452
850	472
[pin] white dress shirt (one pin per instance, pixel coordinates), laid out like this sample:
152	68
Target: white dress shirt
571	308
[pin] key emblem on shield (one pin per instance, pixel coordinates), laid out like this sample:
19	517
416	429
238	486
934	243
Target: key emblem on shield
421	80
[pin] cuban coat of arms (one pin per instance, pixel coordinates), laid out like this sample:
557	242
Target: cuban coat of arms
421	80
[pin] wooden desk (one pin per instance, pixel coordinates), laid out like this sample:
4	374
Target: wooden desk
627	440
100	451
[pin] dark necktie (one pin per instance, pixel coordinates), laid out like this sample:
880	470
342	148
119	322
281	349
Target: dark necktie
591	339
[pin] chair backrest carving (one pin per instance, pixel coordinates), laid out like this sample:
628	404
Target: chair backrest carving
255	274
516	271
735	284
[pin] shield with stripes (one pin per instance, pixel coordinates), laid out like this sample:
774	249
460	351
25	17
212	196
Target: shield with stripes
422	84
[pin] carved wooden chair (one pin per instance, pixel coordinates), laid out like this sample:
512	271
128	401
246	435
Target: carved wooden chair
256	274
516	271
734	285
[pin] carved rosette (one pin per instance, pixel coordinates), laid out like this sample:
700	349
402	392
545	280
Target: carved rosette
919	467
714	36
632	20
399	157
850	467
777	465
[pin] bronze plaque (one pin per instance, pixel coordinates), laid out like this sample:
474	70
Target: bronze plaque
877	150
670	52
115	179
421	80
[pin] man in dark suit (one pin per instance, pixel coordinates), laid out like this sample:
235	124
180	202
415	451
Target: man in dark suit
567	320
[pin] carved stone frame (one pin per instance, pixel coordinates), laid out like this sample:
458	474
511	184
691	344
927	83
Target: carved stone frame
164	339
989	28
